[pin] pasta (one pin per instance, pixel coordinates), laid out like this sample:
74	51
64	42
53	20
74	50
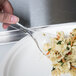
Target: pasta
62	52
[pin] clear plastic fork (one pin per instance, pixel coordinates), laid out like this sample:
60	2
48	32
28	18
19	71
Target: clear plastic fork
30	32
37	37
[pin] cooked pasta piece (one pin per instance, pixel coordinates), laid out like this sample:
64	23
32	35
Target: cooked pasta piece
62	52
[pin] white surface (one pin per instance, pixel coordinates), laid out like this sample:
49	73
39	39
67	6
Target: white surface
29	62
26	60
4	49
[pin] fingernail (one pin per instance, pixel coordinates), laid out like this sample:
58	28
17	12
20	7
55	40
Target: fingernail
14	19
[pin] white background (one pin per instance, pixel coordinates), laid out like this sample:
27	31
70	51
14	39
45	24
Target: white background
4	49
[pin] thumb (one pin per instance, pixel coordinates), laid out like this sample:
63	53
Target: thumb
8	18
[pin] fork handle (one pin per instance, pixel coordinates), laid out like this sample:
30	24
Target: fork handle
25	29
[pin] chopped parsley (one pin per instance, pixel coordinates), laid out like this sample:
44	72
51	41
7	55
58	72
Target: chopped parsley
61	63
49	49
68	48
69	43
59	42
72	34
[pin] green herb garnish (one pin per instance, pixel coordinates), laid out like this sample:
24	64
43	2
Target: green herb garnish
61	62
65	57
67	48
49	49
53	69
72	34
69	43
59	42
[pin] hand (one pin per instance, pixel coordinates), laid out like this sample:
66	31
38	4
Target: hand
6	14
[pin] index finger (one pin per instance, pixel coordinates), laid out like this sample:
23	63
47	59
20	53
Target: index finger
7	7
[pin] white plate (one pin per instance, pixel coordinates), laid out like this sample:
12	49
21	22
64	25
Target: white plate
25	59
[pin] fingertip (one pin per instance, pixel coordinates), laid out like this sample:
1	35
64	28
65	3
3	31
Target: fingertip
8	18
14	19
5	26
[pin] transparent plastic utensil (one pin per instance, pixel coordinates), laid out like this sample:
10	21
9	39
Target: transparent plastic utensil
37	37
30	32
